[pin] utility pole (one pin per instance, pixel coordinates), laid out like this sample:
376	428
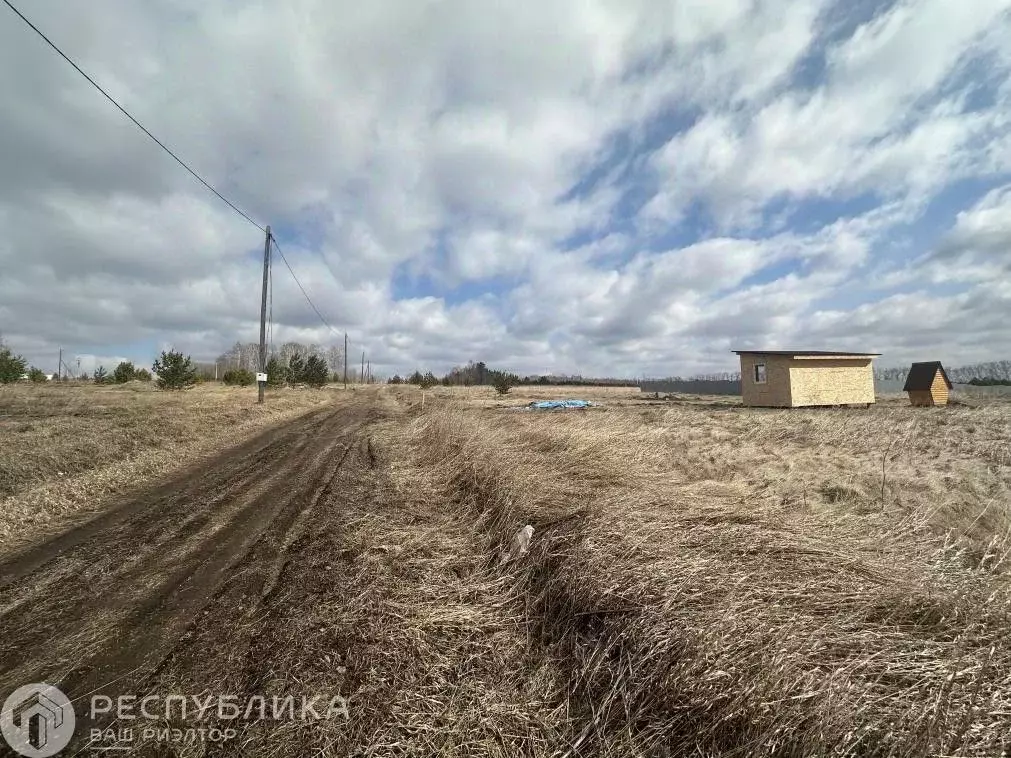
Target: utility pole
363	367
59	366
263	317
368	372
345	360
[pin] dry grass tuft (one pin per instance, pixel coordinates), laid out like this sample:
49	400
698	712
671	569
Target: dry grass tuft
720	581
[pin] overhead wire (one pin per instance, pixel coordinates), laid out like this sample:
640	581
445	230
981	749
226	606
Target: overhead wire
304	293
181	162
127	113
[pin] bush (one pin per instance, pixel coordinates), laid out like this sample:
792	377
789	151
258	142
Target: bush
316	372
142	375
502	384
36	375
174	371
12	367
124	372
101	376
395	379
239	376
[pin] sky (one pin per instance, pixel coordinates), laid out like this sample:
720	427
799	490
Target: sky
621	188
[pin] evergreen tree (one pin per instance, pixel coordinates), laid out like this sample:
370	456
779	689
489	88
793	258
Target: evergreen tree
275	372
101	376
501	383
36	375
316	372
296	369
174	371
12	367
124	372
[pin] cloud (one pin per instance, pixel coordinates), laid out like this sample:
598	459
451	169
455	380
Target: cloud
606	187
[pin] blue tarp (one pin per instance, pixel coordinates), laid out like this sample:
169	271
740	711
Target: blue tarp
549	404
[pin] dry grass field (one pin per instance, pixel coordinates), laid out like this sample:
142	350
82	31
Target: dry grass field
702	580
67	449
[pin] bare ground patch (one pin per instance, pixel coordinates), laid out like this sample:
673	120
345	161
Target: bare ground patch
67	450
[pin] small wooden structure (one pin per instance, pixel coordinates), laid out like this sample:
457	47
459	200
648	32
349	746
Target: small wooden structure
928	384
801	378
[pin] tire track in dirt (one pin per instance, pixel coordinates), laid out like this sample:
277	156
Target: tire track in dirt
107	601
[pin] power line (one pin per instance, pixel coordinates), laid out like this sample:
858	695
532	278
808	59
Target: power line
126	113
186	166
304	293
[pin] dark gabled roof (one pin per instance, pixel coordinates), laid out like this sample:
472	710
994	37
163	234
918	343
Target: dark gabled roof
806	352
921	376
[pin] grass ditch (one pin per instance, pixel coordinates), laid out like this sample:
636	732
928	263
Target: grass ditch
694	604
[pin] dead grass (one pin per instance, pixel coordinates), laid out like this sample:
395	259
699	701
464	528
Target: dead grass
713	580
68	448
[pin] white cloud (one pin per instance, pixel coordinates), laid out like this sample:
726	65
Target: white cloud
399	147
865	128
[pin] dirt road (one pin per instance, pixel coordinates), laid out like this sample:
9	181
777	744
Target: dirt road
109	606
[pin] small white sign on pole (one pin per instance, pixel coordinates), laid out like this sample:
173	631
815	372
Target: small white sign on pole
261	377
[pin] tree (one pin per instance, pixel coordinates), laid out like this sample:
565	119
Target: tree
296	369
37	375
239	376
142	375
101	376
12	367
335	359
124	372
395	379
275	372
316	371
174	371
428	380
416	378
502	384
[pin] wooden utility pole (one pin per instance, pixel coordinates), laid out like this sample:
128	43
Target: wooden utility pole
59	366
345	360
260	385
368	372
363	367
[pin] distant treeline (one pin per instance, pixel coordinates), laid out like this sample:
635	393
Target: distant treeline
723	376
990	382
478	373
980	374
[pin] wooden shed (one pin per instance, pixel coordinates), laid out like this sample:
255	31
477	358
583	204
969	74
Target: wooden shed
799	378
928	384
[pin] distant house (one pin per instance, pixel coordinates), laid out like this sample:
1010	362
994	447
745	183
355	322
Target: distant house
927	384
798	378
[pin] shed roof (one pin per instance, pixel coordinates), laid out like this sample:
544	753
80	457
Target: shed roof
921	376
809	353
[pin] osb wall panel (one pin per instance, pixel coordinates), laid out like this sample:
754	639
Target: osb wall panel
776	390
834	381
